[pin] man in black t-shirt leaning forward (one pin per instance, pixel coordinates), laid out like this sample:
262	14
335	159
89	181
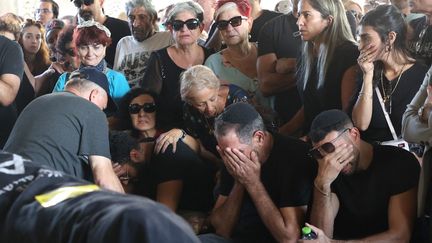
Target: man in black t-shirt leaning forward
266	184
363	192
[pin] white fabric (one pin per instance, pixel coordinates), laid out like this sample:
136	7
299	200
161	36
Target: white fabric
132	56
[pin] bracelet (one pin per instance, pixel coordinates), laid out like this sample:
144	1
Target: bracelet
327	194
365	95
183	135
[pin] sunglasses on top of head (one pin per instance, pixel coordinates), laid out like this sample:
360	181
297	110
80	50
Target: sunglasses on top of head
326	147
234	22
78	3
191	24
147	107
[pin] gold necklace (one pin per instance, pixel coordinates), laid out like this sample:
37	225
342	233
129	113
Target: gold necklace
387	97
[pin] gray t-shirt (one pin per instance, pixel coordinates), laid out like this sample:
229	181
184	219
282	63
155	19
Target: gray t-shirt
61	130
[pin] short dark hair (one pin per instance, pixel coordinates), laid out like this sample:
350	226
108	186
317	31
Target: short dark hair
242	118
54	6
65	36
121	143
328	121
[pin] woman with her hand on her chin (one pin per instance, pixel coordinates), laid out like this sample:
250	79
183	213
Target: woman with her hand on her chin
387	64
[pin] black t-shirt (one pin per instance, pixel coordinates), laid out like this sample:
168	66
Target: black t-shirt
11	62
61	130
119	29
407	87
185	165
364	196
163	77
287	176
317	100
421	48
284	45
98	216
259	22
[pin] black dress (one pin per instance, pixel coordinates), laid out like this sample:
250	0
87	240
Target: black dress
318	99
163	77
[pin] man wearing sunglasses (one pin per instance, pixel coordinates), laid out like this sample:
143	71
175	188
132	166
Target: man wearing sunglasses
93	9
266	182
133	52
362	192
68	131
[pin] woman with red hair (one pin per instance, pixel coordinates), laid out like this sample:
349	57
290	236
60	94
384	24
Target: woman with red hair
91	40
237	63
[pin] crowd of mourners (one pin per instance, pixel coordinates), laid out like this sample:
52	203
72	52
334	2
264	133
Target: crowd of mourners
217	121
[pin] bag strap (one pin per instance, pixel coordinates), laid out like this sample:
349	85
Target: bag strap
386	115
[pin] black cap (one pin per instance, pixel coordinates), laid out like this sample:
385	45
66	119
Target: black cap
329	118
99	78
239	113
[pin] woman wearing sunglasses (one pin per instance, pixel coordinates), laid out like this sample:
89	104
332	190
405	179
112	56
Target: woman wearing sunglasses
180	179
184	21
237	63
91	40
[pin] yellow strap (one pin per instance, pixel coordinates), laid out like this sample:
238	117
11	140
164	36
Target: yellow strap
59	195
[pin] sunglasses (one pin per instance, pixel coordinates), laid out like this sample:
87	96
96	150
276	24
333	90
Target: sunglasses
191	24
147	107
327	147
234	22
78	3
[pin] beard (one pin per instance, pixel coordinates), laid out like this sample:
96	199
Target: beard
141	34
85	15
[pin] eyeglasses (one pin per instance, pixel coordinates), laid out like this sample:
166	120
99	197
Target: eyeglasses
147	107
234	22
191	24
327	147
43	10
78	3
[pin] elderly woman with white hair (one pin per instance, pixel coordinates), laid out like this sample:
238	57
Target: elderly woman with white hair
184	21
205	97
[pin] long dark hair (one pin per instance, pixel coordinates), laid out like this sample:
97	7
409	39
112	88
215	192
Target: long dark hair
385	19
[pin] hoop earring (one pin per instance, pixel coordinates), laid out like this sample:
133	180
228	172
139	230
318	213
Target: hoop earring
249	36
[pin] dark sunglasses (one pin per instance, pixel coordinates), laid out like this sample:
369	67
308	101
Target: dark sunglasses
147	107
78	3
327	147
234	22
191	24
